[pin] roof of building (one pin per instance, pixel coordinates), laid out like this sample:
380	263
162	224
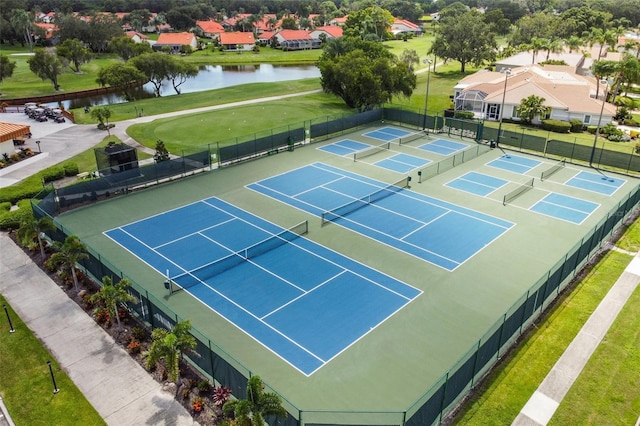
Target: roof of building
295	35
237	37
332	30
175	38
267	35
132	34
558	85
10	131
210	27
404	22
523	59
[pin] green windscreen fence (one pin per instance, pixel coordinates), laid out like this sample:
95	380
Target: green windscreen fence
323	128
233	151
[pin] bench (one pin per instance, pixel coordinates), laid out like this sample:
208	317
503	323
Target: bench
82	175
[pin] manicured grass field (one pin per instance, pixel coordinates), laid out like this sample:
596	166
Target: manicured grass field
26	386
607	390
185	101
198	130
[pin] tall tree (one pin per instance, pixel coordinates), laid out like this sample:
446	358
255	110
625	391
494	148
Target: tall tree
369	23
46	65
155	66
363	73
7	67
112	295
465	38
410	57
121	76
126	48
179	72
68	254
31	229
73	50
102	114
21	22
169	346
532	107
603	69
258	404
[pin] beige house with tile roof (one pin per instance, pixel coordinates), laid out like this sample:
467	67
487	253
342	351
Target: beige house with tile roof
570	96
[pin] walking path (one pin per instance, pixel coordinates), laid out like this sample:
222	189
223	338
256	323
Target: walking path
120	390
545	400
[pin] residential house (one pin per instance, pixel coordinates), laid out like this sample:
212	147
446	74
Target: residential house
402	26
328	31
46	18
237	41
137	37
265	37
570	95
210	29
175	41
338	22
296	40
50	37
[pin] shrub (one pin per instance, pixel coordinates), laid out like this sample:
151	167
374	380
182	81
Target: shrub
11	219
204	386
221	395
637	147
592	129
70	169
557	126
102	316
630	122
576	125
52	173
611	129
464	115
134	347
139	333
198	404
619	138
622	114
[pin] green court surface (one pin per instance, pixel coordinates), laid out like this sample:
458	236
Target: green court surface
382	375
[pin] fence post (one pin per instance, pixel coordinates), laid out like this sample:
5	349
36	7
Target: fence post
475	363
524	311
444	395
504	319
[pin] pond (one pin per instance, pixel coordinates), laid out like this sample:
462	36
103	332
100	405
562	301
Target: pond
209	77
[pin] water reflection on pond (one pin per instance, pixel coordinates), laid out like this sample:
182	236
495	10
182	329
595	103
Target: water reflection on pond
209	77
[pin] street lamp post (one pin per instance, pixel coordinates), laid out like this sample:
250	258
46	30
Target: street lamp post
38	143
11	329
595	138
507	73
428	62
53	379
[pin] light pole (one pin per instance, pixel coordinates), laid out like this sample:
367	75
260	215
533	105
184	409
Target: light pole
38	143
507	73
428	62
53	379
595	138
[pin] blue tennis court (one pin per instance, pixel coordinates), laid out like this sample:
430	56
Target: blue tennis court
570	209
477	183
302	301
402	163
443	147
387	134
596	182
514	163
433	230
344	147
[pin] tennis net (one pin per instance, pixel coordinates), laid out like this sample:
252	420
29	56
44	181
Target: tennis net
551	170
210	270
352	206
517	192
371	151
411	137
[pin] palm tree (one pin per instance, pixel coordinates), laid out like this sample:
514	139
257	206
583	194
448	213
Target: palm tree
112	295
574	43
410	57
168	346
537	44
31	228
21	22
555	45
532	107
602	69
69	254
251	411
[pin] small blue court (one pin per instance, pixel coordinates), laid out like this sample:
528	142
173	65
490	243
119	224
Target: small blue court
563	207
387	134
402	163
344	147
514	163
596	182
477	183
443	147
302	301
430	229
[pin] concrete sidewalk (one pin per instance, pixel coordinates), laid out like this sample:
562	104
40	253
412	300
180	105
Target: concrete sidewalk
121	391
544	402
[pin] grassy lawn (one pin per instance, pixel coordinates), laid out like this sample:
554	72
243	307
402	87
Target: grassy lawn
196	130
26	386
613	373
185	101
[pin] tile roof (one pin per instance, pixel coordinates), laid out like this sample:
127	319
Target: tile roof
210	27
175	38
295	35
131	34
331	30
237	37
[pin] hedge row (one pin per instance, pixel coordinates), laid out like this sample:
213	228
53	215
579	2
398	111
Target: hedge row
557	126
32	185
